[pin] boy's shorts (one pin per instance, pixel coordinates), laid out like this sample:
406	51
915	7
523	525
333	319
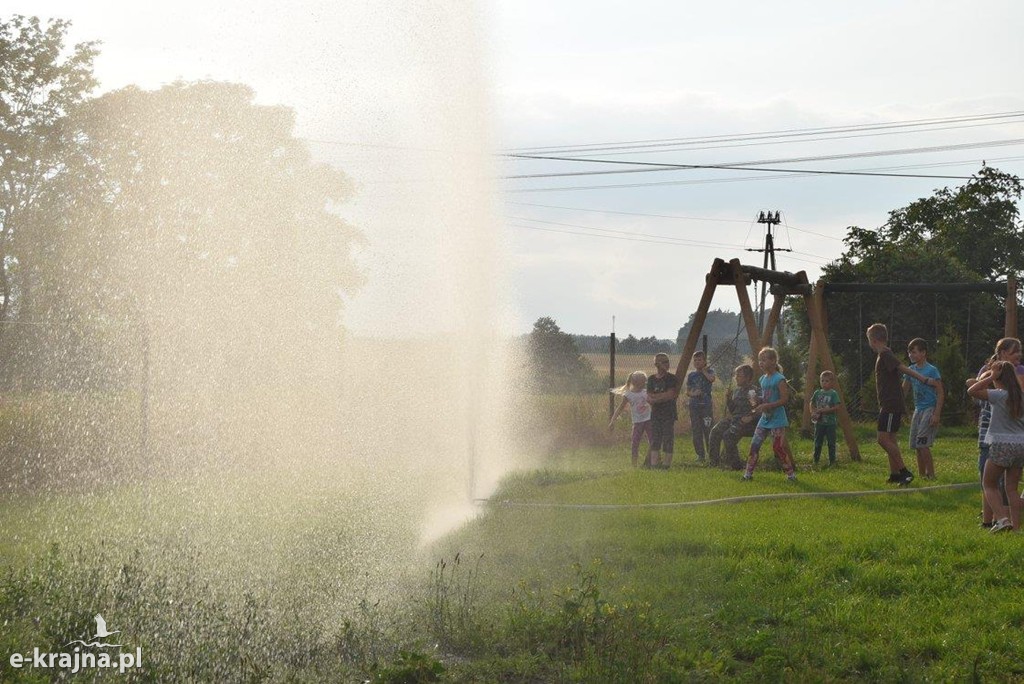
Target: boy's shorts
922	434
663	434
889	422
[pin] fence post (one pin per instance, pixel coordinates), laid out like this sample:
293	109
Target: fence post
611	374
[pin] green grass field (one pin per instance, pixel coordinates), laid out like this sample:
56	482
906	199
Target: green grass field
883	587
547	585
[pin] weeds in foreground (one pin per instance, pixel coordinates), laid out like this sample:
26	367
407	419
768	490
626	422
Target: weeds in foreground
451	608
188	634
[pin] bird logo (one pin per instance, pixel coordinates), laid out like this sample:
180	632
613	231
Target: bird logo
101	633
101	628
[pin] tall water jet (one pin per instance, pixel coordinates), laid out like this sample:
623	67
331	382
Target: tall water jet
284	426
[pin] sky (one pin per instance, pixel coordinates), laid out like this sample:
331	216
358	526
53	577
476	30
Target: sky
418	99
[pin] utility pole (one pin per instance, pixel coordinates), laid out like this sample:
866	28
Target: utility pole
769	249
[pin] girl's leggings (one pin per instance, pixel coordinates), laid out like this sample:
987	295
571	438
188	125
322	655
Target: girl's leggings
639	430
778	446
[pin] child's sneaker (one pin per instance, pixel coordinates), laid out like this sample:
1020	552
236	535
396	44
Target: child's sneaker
748	476
906	477
791	477
893	478
1001	525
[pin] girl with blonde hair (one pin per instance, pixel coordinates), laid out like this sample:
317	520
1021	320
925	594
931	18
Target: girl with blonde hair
634	393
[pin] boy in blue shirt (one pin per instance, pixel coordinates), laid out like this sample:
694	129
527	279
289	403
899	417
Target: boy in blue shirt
698	389
924	426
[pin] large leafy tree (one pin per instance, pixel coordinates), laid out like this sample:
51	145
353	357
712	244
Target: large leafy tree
197	217
961	235
976	224
42	82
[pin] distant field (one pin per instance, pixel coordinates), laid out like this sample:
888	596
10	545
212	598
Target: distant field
627	363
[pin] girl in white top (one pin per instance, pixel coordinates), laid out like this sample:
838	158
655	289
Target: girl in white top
999	387
634	393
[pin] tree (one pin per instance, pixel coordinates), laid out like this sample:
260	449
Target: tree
719	326
968	234
975	224
555	357
193	229
948	357
644	345
41	84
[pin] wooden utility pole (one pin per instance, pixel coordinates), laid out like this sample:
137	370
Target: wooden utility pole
769	219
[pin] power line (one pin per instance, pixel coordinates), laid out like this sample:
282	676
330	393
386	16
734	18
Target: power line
735	137
782	175
748	165
641	237
690	147
669	216
784	133
633	213
664	148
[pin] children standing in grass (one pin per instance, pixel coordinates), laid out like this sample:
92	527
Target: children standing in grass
924	426
775	396
634	393
824	404
1000	388
890	400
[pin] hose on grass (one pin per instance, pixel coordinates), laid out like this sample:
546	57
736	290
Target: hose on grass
727	500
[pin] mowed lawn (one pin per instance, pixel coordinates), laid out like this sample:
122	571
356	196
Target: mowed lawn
882	587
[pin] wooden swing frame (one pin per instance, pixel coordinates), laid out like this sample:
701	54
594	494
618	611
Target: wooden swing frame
784	283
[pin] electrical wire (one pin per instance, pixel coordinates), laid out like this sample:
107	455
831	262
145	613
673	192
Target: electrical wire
633	213
784	175
689	147
642	237
749	223
783	133
746	165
